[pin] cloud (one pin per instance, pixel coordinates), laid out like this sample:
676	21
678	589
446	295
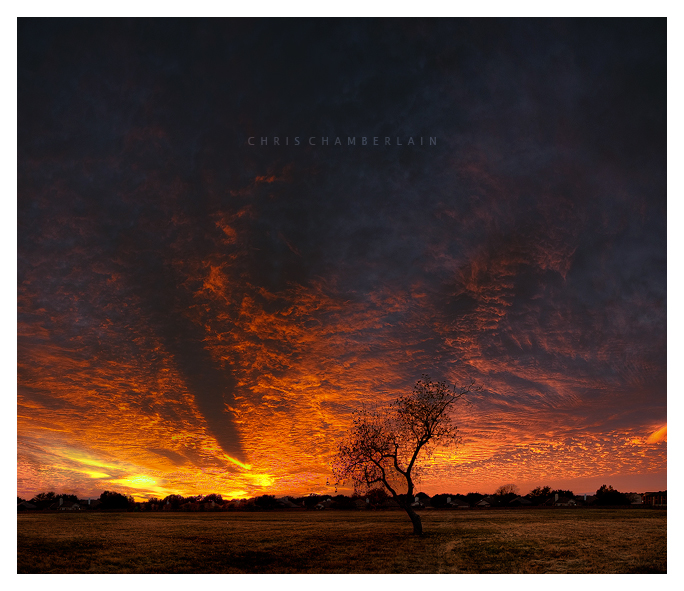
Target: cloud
658	436
203	313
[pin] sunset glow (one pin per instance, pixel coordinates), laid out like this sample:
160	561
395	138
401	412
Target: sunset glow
199	315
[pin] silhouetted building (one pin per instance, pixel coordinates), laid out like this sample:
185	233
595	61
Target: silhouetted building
520	502
635	498
655	499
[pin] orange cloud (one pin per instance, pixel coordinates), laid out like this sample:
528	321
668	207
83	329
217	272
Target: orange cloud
657	436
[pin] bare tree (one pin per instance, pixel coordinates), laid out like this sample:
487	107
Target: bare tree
507	489
384	446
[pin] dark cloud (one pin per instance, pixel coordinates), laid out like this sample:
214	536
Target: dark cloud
220	298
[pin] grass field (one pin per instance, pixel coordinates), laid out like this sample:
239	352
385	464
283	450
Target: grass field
489	541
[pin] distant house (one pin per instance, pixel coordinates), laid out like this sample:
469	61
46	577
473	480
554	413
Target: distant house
60	505
70	507
564	502
655	499
286	503
26	506
456	503
558	501
483	504
520	502
417	503
324	504
635	498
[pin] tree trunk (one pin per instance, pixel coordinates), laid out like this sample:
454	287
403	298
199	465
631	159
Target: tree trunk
415	520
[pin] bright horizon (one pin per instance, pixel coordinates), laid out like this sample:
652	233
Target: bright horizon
621	483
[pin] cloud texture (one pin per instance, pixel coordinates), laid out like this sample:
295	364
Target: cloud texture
196	314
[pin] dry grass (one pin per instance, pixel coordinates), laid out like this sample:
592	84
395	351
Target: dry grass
508	541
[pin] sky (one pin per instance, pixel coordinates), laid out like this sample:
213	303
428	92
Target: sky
198	314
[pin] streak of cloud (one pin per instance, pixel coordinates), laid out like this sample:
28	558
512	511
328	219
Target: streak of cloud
200	315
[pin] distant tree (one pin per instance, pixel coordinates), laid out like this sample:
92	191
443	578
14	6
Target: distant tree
384	446
506	490
439	501
247	505
540	491
377	496
472	498
607	495
20	500
175	501
218	499
67	499
44	497
539	495
266	502
114	500
504	495
563	493
300	501
150	503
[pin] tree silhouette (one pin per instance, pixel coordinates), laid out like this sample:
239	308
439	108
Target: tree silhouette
504	495
607	495
439	501
174	501
218	499
384	446
507	489
563	493
114	500
377	496
44	497
67	499
266	502
541	491
539	495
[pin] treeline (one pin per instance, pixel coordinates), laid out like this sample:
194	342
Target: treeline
110	500
545	495
505	496
51	500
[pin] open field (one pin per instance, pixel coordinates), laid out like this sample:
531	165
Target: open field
489	541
